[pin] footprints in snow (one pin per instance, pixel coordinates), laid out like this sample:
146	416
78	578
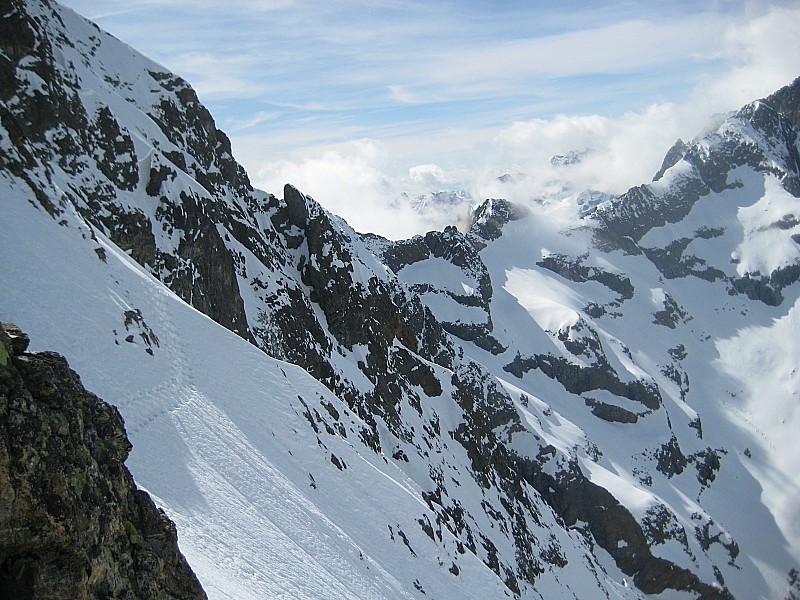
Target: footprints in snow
174	391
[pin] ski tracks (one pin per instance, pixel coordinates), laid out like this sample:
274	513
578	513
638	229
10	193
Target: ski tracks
145	406
293	548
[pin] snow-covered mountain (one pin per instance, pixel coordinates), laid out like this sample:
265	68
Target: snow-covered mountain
568	401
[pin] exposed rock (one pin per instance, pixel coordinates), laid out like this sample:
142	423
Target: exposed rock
19	339
490	217
786	101
575	270
613	527
670	457
674	154
671	314
72	522
642	208
578	380
299	283
611	412
573	157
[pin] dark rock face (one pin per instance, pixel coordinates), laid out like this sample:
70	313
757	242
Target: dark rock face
297	282
672	157
761	138
579	380
611	412
490	217
786	101
58	114
72	523
611	525
461	251
575	270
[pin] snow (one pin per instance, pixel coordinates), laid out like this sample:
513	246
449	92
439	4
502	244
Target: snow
226	439
764	360
767	247
658	297
551	304
448	310
746	401
447	276
218	431
633	497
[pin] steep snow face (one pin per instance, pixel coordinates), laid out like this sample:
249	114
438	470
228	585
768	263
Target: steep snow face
515	412
763	400
648	404
271	498
265	471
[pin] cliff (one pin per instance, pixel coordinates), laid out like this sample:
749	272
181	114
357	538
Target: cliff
72	522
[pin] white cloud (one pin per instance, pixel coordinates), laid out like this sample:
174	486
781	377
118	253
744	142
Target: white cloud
430	176
245	5
401	94
218	75
754	57
454	98
763	54
256	119
615	48
347	181
613	153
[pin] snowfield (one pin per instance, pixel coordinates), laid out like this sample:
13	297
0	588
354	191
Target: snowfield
220	433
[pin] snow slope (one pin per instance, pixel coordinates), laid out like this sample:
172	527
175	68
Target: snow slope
700	309
563	403
220	432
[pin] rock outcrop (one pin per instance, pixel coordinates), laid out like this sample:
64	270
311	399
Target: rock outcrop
72	522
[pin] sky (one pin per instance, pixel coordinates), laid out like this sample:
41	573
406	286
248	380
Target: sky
364	104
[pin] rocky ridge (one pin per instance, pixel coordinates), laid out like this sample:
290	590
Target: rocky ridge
72	522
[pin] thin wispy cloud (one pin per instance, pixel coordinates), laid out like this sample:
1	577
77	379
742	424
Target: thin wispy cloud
618	48
221	76
233	125
358	102
401	94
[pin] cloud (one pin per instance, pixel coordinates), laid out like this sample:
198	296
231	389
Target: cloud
239	125
615	48
429	176
244	5
401	94
360	102
355	180
348	182
220	76
612	154
752	58
763	54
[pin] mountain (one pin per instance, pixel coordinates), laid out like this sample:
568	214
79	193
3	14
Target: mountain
567	401
448	201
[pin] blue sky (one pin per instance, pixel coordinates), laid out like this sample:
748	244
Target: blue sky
371	98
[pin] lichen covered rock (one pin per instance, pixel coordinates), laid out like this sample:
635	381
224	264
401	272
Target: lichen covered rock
72	522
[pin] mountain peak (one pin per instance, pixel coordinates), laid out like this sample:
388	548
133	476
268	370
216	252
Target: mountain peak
492	214
786	101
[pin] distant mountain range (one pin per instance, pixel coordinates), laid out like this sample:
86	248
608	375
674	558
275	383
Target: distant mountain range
591	398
